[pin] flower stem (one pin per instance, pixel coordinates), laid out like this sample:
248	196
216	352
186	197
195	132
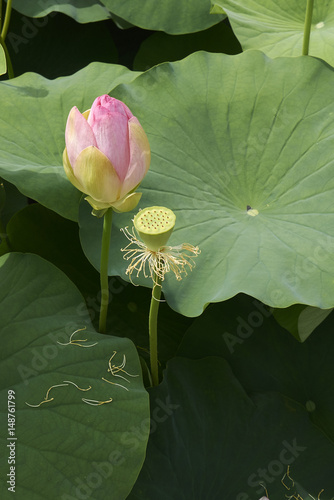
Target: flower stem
153	329
4	30
5	25
307	27
107	222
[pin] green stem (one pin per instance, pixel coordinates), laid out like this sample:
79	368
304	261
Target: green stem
5	25
307	27
10	70
0	14
107	222
153	329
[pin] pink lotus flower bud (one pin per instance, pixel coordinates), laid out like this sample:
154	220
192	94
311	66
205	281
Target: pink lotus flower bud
107	154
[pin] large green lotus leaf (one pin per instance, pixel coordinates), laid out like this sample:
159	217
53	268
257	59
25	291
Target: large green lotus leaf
220	441
277	27
174	16
267	359
232	136
65	448
33	116
83	11
35	45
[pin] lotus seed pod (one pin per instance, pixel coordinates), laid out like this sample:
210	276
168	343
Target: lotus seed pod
154	226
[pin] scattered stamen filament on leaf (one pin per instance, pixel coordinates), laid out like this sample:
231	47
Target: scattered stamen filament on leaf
318	495
298	497
36	406
93	402
114	383
75	342
263	486
46	399
78	386
287	474
113	369
71	341
58	385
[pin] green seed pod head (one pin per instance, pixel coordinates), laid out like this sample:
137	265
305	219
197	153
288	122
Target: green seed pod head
154	226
